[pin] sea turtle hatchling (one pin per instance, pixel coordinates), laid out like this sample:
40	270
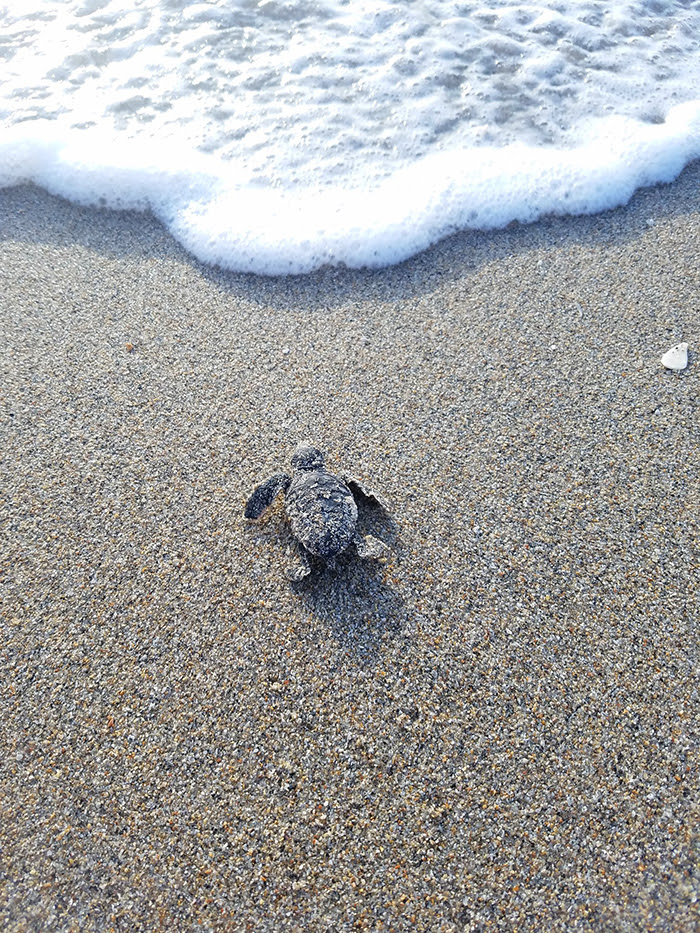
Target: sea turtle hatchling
321	508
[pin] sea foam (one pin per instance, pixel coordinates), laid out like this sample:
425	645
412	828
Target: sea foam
281	137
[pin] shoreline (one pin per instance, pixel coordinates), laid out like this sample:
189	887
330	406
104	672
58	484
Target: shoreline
497	729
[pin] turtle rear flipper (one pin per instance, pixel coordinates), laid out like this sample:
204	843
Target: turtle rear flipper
264	495
359	489
299	566
370	547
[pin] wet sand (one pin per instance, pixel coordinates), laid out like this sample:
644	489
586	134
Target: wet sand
495	729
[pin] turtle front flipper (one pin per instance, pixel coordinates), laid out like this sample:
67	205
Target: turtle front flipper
370	547
359	489
264	495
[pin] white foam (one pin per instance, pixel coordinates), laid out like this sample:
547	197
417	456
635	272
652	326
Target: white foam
271	231
276	138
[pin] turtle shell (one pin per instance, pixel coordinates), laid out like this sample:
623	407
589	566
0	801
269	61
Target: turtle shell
321	512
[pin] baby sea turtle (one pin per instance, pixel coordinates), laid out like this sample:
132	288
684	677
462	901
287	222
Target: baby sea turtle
321	508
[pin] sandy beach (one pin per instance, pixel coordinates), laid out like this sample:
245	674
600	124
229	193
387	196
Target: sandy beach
497	728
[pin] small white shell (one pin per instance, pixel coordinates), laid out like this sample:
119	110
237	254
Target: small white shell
676	358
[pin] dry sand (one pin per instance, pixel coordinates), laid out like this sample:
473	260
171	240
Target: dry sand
495	730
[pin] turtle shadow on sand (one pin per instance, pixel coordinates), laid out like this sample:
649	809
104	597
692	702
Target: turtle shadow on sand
352	599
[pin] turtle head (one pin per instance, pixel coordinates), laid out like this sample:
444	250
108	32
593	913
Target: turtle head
306	457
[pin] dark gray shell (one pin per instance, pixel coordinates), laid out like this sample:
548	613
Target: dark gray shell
321	511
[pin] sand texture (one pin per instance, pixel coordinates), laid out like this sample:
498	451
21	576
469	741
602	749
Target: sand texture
497	728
